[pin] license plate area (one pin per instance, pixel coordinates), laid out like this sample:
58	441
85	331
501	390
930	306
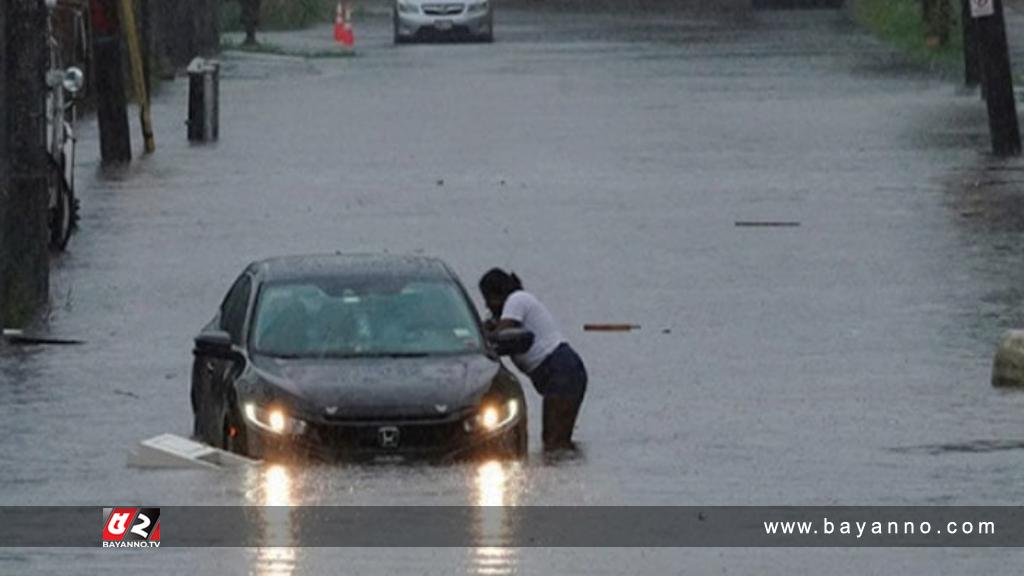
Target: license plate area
443	25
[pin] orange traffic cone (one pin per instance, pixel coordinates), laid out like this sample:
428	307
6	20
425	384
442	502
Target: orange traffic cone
343	26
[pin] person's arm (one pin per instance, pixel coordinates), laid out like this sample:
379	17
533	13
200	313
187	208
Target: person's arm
513	313
506	323
492	325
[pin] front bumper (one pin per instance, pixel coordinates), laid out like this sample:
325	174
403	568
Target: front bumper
433	439
408	25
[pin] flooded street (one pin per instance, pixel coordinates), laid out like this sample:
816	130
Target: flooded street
843	360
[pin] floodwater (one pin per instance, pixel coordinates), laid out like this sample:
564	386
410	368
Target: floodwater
606	160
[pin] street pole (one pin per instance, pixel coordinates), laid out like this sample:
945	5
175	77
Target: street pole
4	164
111	103
972	66
25	250
997	76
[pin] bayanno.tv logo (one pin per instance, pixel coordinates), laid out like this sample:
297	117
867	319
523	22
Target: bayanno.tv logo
131	528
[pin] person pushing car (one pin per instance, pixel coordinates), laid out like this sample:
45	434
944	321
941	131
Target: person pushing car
556	370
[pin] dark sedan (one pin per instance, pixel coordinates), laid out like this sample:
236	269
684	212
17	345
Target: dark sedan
354	357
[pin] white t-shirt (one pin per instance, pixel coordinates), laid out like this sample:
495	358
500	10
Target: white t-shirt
524	308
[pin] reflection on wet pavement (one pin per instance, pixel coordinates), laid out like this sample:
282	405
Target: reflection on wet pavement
271	489
491	525
275	561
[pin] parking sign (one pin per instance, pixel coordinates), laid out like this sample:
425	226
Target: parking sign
982	8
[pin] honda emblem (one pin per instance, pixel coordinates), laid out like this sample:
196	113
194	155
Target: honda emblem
388	436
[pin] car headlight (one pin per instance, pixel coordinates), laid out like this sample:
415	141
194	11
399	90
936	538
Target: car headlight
273	419
493	416
478	6
408	8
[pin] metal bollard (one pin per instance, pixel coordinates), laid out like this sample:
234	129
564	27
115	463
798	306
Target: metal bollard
203	100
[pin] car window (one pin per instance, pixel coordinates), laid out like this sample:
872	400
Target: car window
365	318
232	313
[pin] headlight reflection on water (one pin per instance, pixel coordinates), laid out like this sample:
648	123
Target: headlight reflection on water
493	492
491	561
277	486
491	480
271	488
274	562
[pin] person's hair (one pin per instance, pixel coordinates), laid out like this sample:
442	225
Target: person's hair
497	282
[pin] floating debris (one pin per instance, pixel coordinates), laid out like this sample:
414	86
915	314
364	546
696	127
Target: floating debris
610	327
766	224
13	336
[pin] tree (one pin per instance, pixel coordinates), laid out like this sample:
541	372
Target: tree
250	20
938	21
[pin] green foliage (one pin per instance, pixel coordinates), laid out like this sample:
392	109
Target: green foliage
278	14
900	23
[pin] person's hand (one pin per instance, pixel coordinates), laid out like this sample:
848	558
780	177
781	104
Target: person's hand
490	325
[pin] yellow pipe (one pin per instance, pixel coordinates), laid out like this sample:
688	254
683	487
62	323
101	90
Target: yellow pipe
127	12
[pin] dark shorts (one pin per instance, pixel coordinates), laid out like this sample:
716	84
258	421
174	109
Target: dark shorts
562	380
560	374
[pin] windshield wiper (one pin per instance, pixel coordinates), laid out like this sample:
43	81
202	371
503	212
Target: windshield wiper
283	355
349	355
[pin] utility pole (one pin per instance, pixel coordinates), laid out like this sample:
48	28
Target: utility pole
4	148
997	76
111	103
972	64
24	253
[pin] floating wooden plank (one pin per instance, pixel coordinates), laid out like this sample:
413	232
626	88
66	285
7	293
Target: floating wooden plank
610	327
766	224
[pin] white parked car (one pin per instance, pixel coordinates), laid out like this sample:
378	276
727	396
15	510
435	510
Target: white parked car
438	19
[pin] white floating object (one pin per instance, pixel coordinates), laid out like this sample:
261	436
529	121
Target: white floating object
15	336
1008	364
173	451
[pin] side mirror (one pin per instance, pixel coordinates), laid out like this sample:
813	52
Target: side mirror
216	343
511	341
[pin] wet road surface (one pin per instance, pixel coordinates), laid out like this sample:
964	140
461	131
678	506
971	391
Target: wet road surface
841	361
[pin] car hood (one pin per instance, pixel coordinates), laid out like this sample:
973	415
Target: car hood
363	388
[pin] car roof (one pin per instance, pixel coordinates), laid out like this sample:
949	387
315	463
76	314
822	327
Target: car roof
308	266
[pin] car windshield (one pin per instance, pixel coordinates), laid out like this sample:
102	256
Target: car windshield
380	317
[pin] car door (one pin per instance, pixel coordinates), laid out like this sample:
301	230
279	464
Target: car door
202	399
213	376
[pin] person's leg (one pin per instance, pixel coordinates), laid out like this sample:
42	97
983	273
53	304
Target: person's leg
563	396
560	414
